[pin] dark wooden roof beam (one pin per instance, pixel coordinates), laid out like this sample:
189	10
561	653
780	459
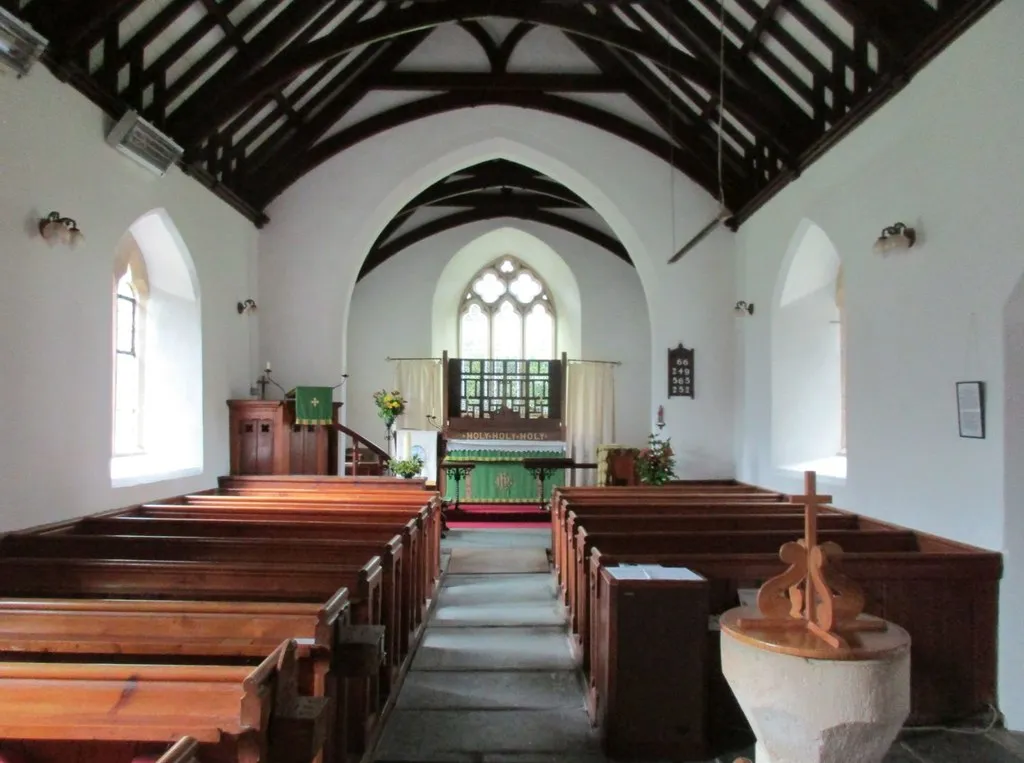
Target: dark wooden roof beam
508	45
893	27
289	172
84	23
156	72
657	101
288	149
231	32
758	102
243	120
490	47
227	93
382	252
496	199
447	81
203	103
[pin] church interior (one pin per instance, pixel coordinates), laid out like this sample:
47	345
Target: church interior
541	380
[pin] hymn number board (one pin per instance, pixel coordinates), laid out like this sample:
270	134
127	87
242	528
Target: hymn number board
680	372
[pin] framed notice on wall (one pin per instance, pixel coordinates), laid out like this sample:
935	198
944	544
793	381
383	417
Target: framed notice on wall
680	372
970	408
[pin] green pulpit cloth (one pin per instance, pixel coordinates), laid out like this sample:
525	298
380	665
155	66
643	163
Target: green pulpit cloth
313	405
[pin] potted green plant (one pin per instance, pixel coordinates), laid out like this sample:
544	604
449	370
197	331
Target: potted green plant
407	468
655	464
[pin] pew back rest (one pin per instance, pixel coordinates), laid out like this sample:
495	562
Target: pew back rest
742	542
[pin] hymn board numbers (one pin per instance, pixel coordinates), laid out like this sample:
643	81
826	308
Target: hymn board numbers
680	372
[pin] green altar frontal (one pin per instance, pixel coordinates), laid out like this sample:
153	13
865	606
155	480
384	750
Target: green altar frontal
500	477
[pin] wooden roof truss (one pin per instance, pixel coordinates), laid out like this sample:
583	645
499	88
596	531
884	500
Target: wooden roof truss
260	92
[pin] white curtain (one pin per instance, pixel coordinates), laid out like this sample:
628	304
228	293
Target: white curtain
590	413
419	381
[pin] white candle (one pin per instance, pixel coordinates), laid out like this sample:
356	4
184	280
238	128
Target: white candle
268	366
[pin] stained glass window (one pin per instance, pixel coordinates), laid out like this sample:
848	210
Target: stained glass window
507	313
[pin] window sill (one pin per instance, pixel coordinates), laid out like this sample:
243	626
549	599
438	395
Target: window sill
127	471
833	469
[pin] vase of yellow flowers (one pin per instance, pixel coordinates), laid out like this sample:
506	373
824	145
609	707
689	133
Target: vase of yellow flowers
390	406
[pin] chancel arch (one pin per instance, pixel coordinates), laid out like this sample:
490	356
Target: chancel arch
809	357
157	374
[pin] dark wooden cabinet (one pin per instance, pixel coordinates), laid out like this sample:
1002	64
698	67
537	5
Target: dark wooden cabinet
266	440
650	632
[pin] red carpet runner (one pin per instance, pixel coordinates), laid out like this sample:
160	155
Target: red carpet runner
483	516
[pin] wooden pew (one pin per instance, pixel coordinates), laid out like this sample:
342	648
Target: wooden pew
708	542
562	536
946	594
230	707
411	600
225	582
184	630
215	506
318	482
424	546
652	500
720	519
396	612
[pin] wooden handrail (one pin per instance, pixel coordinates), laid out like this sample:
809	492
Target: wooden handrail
357	438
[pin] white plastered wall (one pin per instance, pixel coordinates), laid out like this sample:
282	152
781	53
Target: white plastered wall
322	228
55	304
946	156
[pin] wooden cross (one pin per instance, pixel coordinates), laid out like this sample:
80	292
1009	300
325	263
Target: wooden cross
811	501
821	601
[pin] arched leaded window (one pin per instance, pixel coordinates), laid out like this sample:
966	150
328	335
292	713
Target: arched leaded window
507	312
127	365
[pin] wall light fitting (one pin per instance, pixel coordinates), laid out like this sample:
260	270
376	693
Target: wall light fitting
248	306
742	308
60	230
20	45
896	236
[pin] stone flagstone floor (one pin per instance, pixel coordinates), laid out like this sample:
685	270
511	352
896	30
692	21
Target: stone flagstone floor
494	681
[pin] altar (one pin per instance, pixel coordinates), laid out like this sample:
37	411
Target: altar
503	420
499	474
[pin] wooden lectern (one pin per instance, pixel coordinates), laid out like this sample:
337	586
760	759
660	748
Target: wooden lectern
266	440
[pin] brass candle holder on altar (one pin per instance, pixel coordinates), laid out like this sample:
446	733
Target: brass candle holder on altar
813	596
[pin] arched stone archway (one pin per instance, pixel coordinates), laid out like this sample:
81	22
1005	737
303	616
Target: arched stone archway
521	153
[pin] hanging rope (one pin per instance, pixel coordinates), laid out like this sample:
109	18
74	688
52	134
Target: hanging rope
671	148
722	210
721	101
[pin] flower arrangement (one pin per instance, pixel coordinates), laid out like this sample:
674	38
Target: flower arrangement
389	405
407	468
655	464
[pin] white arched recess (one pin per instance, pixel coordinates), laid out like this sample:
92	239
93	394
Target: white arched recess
806	374
529	250
172	365
1011	667
323	226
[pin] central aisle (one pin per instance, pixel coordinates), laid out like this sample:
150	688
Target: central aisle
493	679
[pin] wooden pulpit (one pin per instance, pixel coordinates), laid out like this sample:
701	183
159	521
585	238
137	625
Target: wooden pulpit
265	439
